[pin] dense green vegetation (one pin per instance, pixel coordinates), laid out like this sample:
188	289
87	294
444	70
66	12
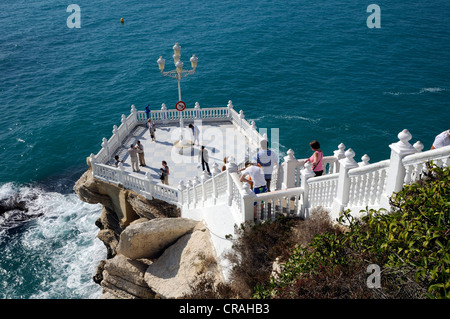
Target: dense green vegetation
410	244
320	259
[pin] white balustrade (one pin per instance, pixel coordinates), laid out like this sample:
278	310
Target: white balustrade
295	189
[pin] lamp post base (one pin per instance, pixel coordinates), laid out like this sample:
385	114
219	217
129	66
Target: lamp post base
184	147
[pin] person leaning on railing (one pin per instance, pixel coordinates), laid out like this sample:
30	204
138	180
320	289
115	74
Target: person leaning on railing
256	178
441	140
316	158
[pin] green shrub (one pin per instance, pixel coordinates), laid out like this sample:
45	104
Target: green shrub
410	244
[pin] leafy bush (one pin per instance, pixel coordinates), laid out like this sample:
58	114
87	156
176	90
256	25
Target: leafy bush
410	244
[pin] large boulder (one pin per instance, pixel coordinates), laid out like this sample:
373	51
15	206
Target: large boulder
123	278
149	239
182	265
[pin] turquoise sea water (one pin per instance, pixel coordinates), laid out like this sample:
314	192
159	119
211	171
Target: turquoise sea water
313	70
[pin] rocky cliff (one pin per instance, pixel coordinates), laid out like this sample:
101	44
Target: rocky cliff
151	251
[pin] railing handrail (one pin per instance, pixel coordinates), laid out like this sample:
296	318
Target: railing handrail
427	155
368	168
280	193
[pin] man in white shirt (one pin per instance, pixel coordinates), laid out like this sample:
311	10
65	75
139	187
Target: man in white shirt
441	140
256	174
267	158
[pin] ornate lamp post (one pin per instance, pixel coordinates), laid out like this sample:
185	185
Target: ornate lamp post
178	74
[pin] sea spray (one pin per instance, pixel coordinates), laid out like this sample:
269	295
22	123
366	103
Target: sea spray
53	255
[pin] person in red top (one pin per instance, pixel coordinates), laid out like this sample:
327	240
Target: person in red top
316	158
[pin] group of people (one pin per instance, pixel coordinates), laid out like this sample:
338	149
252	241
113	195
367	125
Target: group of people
137	158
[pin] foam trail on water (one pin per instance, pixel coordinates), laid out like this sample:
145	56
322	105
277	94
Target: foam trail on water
54	255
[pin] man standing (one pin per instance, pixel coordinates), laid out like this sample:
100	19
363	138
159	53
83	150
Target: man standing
134	159
256	176
267	158
195	132
151	128
147	111
441	140
204	158
140	150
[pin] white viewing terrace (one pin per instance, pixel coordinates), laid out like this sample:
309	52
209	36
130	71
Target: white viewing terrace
220	199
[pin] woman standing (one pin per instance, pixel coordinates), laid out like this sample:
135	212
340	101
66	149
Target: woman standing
316	158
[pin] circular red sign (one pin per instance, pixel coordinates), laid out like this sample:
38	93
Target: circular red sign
180	106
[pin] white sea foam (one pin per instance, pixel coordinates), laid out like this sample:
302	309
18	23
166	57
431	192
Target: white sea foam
284	117
421	91
59	249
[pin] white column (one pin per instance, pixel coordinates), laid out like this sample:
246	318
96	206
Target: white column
306	174
230	108
289	167
339	154
181	188
164	113
121	173
343	188
134	118
231	168
247	204
364	160
214	172
148	185
204	178
396	170
241	118
115	132
197	110
106	149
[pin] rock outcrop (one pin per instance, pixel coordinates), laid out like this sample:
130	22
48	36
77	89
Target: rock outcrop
123	278
151	251
183	264
120	208
149	239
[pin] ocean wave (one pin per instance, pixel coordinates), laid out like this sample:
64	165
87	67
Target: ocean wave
283	117
49	245
421	91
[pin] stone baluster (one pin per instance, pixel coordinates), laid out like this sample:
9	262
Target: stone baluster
241	119
306	174
105	147
123	120
230	107
121	173
418	146
164	113
253	131
204	178
134	112
189	191
181	188
115	132
231	168
364	160
148	185
195	182
247	203
339	154
214	172
343	187
289	167
396	171
197	111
